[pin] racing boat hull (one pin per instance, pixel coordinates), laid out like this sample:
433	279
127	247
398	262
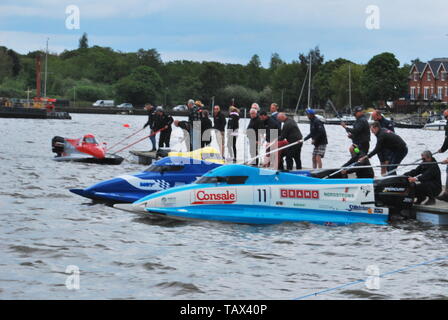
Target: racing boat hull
242	194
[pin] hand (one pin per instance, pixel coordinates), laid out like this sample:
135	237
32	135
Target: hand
312	141
362	159
445	161
344	172
344	125
412	179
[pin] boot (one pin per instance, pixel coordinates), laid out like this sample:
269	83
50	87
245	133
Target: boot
431	201
443	197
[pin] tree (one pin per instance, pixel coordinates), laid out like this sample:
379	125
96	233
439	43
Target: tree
150	58
276	61
141	86
254	73
339	85
212	80
83	42
381	78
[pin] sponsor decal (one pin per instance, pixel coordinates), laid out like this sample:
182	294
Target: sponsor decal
338	195
363	208
394	189
299	194
214	196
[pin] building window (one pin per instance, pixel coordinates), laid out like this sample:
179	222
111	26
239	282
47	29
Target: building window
428	75
415	76
443	75
425	93
440	93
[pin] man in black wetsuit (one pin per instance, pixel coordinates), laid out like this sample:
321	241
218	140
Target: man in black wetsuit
194	119
360	133
388	125
387	140
162	123
428	174
356	154
151	115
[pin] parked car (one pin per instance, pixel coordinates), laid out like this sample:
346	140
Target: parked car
180	107
125	106
104	103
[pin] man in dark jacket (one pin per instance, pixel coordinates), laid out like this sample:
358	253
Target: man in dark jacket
185	126
194	119
388	125
219	124
151	115
362	173
270	125
444	195
291	133
360	133
206	125
255	124
162	123
428	174
387	140
319	138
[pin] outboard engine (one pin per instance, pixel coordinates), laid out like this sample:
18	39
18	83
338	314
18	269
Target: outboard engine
394	192
58	145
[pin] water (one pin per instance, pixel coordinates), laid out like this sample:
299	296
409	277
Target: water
44	228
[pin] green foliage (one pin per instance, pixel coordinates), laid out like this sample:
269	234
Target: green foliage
339	86
381	78
83	41
241	96
141	86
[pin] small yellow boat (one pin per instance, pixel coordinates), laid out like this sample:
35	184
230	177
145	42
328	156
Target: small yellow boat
207	154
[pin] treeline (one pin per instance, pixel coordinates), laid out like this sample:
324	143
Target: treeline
93	73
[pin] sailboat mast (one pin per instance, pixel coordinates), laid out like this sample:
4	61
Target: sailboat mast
350	87
309	85
46	63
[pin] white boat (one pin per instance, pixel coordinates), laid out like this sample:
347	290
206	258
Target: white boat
435	123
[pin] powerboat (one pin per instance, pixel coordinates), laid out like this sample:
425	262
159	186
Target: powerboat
435	123
209	154
161	175
85	149
243	194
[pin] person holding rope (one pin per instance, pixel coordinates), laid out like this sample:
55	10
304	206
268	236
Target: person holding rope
318	137
290	133
151	116
388	125
361	173
387	140
162	123
232	131
360	133
269	126
444	195
429	178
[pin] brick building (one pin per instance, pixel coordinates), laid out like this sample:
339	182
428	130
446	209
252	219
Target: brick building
429	81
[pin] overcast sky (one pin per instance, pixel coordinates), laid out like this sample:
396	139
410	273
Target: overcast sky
233	30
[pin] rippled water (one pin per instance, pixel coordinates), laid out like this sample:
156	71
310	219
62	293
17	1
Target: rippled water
44	228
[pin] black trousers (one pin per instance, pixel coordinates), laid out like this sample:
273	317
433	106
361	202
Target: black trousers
292	155
364	147
425	189
164	138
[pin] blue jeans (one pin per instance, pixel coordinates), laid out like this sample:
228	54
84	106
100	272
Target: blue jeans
153	140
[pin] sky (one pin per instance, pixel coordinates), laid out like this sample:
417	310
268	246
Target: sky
232	31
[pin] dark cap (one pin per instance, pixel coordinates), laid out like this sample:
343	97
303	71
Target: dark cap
263	113
358	109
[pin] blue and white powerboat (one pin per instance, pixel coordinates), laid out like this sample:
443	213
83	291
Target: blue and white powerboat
163	174
242	194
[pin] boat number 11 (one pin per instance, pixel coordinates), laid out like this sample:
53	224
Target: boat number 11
262	195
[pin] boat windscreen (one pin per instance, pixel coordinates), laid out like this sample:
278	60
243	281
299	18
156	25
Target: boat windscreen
90	140
156	168
227	180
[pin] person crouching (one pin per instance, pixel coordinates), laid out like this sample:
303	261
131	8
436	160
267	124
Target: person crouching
429	178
